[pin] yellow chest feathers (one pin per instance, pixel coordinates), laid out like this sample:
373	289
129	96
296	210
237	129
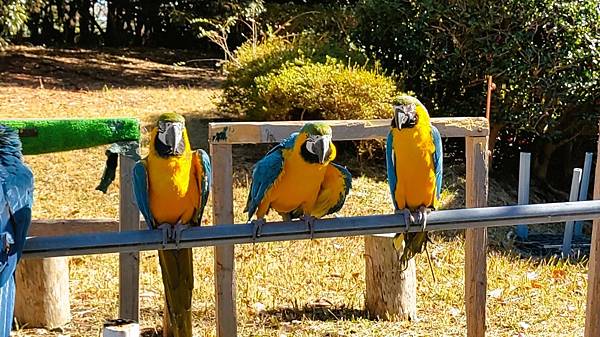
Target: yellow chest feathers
415	173
173	188
299	184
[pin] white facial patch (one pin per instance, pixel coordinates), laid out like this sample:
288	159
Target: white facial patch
174	129
312	140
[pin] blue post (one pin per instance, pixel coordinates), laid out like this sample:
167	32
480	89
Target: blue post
583	191
568	235
524	177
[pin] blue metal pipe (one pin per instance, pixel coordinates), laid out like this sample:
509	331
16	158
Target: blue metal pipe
128	241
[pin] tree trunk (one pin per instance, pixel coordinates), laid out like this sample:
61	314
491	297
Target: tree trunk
85	23
543	160
42	298
391	293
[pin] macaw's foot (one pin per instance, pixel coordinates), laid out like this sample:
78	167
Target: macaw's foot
177	230
409	219
167	232
257	227
309	220
421	217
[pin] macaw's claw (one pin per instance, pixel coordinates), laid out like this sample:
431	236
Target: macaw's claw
178	229
409	219
257	229
167	231
421	217
309	220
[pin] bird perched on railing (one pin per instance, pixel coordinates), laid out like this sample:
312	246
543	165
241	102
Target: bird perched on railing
298	179
414	170
16	199
171	187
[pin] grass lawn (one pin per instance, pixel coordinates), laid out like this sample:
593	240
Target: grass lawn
302	288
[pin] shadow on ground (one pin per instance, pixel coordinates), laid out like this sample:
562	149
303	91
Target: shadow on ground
317	313
101	69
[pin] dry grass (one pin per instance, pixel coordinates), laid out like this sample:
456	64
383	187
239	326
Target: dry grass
302	288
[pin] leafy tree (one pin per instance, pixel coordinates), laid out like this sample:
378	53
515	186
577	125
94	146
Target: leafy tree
543	54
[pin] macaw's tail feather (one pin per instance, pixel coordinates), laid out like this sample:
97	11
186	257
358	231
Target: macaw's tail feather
410	244
178	278
7	306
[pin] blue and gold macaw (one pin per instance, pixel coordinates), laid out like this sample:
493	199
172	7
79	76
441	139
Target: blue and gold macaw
414	169
16	200
171	187
298	179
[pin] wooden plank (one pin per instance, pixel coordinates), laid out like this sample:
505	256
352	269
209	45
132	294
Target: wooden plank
129	263
592	315
476	239
222	194
272	132
59	227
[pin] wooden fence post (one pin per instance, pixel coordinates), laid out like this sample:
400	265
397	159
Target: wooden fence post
42	298
129	263
476	194
592	315
391	293
222	193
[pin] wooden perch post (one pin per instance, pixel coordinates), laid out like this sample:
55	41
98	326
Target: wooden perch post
592	317
42	298
391	293
129	263
476	194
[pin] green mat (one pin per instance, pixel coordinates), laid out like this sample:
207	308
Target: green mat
54	135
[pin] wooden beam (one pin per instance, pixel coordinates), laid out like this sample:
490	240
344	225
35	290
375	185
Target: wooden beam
129	263
272	132
59	227
476	239
222	194
592	315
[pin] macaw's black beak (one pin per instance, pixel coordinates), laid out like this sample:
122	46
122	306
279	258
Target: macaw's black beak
169	140
322	149
405	116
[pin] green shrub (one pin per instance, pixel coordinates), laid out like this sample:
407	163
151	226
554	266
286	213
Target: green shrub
304	89
251	61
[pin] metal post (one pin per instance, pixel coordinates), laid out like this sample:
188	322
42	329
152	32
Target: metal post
568	235
583	190
522	231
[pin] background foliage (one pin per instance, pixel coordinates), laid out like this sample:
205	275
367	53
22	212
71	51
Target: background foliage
544	55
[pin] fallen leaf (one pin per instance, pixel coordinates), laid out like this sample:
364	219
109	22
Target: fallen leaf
558	274
532	275
536	285
496	293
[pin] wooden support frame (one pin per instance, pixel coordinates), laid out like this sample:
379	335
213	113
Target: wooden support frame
129	263
222	135
592	315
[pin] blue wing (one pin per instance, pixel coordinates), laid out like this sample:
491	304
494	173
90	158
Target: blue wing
438	159
265	173
140	190
204	181
16	201
391	167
